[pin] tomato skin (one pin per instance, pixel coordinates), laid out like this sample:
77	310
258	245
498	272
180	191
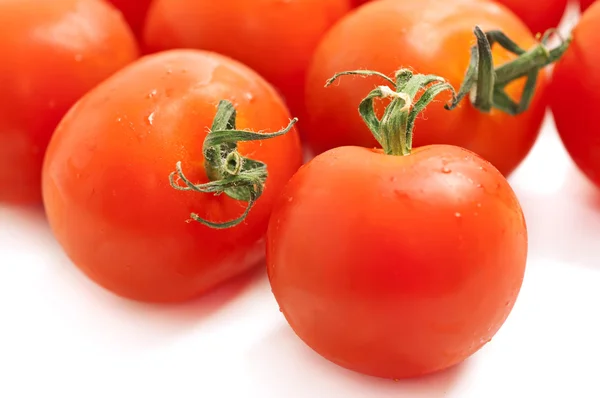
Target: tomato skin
415	264
538	17
387	35
134	12
275	38
585	4
71	45
575	97
106	187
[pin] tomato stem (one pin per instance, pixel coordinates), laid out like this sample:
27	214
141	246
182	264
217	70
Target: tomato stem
486	85
229	172
394	131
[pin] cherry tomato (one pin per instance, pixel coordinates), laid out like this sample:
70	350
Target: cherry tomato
134	12
575	97
53	53
585	4
106	176
396	264
538	17
431	36
276	38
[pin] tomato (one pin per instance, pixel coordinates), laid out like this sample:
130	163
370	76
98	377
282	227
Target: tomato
396	264
276	38
431	36
106	176
538	17
53	53
134	12
575	97
585	4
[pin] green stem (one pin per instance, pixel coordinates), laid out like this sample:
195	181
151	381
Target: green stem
394	131
228	171
487	84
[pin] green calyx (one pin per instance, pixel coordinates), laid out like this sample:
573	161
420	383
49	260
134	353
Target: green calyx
486	85
394	131
229	172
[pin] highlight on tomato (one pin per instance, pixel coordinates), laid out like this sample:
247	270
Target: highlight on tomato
276	38
134	12
575	98
538	16
53	52
397	262
154	183
501	125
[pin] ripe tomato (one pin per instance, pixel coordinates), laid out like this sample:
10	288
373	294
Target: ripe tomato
106	176
53	52
538	17
134	12
276	38
585	4
575	97
396	266
389	34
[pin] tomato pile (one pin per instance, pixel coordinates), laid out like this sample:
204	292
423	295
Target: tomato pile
360	148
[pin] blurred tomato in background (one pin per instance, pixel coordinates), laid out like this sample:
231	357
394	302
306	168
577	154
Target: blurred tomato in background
275	38
53	52
134	12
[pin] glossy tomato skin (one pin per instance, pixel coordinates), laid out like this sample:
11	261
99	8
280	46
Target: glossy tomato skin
134	12
397	266
538	16
106	176
276	38
575	97
53	53
387	35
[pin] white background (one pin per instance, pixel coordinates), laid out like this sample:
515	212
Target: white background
61	334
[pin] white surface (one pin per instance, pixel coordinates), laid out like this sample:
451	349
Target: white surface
59	333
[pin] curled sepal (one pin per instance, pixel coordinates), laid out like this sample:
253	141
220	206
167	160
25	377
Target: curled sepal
394	131
228	171
486	85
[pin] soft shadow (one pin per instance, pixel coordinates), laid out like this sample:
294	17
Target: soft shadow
286	367
47	283
566	224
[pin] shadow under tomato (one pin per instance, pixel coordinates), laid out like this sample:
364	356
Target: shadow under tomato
44	281
285	366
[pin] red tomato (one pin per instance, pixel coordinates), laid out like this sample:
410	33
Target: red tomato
539	17
575	98
396	266
586	3
134	12
106	176
53	52
431	36
276	38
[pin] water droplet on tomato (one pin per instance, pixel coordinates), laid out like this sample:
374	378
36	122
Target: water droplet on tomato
446	170
457	215
290	199
479	186
479	205
78	57
152	94
393	179
151	118
249	96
